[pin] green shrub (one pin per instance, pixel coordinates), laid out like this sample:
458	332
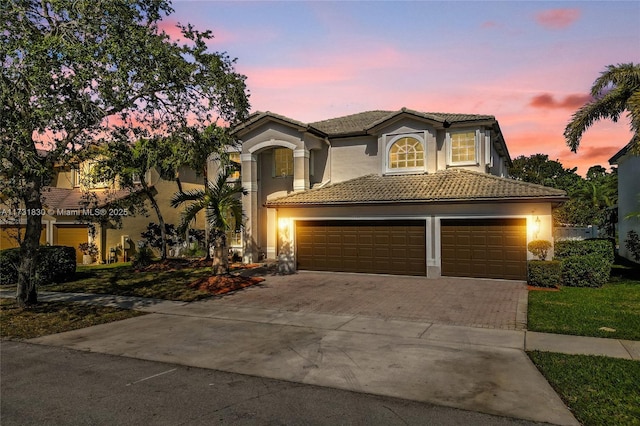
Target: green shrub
54	264
544	273
601	248
632	243
143	257
585	271
539	248
9	260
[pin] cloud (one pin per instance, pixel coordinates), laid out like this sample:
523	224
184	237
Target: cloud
547	101
489	24
591	153
557	19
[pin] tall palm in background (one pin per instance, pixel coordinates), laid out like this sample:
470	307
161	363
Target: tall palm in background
615	91
223	211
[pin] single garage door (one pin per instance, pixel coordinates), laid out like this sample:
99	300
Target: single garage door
71	236
484	248
379	247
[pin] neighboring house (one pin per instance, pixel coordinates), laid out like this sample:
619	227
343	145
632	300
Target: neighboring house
628	194
73	196
397	192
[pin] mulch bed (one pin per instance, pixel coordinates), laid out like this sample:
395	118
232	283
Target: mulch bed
215	285
533	288
221	284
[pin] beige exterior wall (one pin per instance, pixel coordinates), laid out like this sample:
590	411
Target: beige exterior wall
133	226
354	157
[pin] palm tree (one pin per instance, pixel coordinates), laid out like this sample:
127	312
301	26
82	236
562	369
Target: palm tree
615	91
223	207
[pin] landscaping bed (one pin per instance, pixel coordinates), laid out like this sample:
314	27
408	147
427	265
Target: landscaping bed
173	279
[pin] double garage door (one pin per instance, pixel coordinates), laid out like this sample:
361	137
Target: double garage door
379	247
482	248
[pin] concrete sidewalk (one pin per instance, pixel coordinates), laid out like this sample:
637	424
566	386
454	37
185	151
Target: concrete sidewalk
524	340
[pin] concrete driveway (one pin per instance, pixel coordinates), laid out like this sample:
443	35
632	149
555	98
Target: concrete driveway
313	328
470	302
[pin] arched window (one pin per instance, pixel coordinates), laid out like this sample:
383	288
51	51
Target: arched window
406	153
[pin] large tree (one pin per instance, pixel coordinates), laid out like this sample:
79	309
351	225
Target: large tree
616	90
77	72
590	199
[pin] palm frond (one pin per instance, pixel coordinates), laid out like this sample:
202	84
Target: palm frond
615	91
186	196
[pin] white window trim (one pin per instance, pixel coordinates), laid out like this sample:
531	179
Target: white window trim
475	162
407	170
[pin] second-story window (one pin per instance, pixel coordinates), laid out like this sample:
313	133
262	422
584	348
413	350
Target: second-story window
463	148
406	153
234	157
282	162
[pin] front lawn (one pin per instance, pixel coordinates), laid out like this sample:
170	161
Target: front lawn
584	311
54	317
170	283
598	390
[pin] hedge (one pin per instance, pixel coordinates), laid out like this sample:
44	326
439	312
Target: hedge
542	273
585	271
53	264
569	248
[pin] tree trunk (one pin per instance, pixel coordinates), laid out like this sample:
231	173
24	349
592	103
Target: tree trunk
220	264
27	291
207	226
163	232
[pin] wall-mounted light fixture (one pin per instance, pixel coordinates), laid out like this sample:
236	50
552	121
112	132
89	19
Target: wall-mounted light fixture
536	228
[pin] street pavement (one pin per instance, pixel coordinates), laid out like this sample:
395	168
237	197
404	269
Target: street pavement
58	386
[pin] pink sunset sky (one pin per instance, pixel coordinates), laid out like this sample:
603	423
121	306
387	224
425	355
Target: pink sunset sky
530	64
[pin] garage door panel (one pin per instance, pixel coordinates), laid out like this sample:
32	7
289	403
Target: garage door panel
390	247
486	248
71	236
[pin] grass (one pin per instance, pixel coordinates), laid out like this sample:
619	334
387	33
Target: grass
123	280
583	311
599	390
54	317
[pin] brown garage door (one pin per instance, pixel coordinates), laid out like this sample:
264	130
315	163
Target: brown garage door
379	247
71	236
9	236
484	248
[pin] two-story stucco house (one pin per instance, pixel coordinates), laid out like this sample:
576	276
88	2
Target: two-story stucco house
393	192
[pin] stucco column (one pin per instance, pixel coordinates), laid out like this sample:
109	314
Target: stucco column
272	233
249	173
300	169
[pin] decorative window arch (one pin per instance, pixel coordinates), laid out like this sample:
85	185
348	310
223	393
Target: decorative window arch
406	153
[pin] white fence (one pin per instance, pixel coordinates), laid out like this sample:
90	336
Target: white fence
575	233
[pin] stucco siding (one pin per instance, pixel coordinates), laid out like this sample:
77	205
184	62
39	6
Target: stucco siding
628	201
354	157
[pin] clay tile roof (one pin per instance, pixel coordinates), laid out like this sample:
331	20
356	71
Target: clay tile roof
358	123
72	199
452	185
